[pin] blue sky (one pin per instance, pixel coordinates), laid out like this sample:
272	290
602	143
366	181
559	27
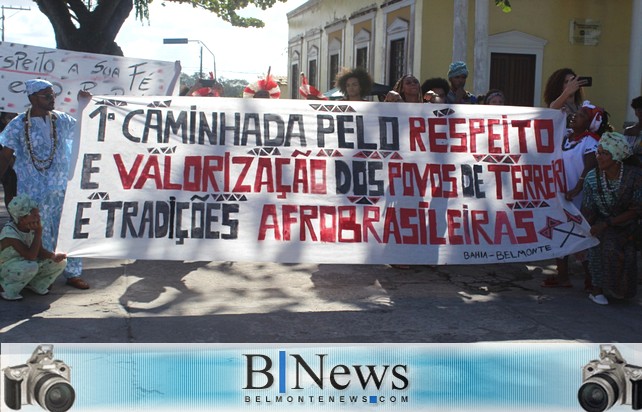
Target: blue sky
242	53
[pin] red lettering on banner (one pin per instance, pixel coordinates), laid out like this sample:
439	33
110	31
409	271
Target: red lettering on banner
407	226
453	217
523	220
371	215
414	181
435	239
544	127
434	136
127	178
529	182
391	226
246	162
417	127
492	137
269	222
478	219
151	170
475	127
461	135
308	214
167	172
503	228
521	126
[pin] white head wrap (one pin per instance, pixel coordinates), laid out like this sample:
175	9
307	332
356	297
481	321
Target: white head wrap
616	144
35	85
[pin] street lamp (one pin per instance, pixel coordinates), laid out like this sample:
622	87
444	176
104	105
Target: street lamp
185	41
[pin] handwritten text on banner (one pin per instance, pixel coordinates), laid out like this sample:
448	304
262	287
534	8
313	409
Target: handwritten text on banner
71	71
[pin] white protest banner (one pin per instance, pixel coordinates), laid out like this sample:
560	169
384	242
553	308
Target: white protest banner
71	71
293	181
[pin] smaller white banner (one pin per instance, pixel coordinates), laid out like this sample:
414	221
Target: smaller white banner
70	71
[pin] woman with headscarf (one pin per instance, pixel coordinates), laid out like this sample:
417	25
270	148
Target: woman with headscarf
612	205
578	153
25	263
457	75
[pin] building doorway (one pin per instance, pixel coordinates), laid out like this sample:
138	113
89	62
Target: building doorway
514	75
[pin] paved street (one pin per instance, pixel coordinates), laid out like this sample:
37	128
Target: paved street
153	301
169	301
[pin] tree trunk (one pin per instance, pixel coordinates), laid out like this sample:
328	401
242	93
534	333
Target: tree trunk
79	29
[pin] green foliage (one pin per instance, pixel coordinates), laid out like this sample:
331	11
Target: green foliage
142	9
231	87
225	9
504	5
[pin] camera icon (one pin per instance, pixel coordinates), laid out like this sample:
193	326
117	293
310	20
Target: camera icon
43	380
610	380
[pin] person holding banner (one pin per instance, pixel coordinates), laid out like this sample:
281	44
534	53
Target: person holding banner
355	84
578	153
435	90
612	205
407	89
41	139
9	179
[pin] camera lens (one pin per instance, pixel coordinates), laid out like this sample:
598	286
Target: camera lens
598	393
54	393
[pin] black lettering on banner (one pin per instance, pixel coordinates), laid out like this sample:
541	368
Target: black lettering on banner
171	219
178	127
471	181
105	71
298	120
111	208
325	125
135	74
279	138
236	129
389	133
80	221
88	169
126	121
251	126
102	122
360	178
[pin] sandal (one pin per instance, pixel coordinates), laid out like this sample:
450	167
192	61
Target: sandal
552	282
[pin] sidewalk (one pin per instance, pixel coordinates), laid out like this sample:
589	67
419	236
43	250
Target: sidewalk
169	301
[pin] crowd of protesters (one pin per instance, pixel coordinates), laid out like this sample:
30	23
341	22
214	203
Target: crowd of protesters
603	175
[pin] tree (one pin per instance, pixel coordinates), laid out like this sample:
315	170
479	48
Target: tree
231	87
92	25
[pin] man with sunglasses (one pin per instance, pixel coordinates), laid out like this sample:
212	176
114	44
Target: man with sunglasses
41	139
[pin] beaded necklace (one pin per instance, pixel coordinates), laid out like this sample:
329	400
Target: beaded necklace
41	164
605	182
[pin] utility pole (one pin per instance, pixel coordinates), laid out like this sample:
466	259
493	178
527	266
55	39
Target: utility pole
10	8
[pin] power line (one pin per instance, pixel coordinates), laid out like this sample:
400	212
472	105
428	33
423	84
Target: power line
9	8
